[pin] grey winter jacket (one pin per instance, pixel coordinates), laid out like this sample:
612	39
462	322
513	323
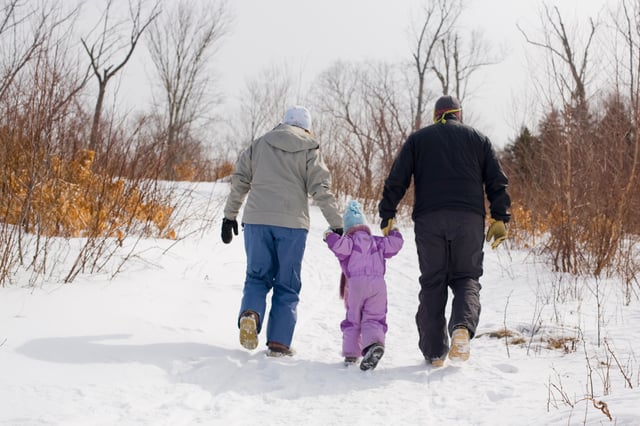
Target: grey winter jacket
279	171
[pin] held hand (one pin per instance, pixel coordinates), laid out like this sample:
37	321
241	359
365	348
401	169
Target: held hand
329	231
386	225
498	232
227	226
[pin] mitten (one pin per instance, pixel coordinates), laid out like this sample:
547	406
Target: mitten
338	231
498	232
227	226
386	225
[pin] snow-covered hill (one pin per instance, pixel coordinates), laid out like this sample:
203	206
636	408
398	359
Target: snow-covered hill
158	345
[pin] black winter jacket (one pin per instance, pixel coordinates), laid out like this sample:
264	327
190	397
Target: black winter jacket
452	165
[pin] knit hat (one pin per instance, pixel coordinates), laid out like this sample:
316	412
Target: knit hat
353	215
298	116
446	105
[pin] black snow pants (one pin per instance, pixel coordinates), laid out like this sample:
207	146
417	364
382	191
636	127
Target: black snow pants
450	252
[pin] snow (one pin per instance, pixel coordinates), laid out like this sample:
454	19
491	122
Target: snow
158	345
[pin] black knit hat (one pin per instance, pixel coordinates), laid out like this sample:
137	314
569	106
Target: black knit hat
446	105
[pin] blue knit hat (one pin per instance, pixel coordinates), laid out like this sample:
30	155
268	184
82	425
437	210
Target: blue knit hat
353	215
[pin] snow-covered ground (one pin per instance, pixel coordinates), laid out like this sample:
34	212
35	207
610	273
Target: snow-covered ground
158	345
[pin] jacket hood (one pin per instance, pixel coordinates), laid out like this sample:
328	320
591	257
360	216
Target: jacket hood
290	139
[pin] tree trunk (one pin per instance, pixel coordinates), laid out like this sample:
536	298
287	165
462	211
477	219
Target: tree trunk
97	113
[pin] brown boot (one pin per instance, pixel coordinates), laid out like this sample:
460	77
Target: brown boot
436	362
278	350
460	348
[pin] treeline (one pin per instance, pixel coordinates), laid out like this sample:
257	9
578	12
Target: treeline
573	171
575	176
72	165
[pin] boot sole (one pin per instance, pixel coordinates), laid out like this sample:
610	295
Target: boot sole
248	332
371	358
460	348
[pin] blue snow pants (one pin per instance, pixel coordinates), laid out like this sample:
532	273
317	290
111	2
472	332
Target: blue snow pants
274	261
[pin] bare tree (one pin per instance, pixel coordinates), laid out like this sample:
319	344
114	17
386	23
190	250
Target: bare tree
439	19
629	31
110	42
365	123
182	45
456	61
19	45
579	174
39	111
264	100
570	144
563	53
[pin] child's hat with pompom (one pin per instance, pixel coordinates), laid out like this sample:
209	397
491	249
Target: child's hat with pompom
353	215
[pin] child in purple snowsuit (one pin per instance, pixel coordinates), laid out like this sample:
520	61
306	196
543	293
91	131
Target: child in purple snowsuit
362	260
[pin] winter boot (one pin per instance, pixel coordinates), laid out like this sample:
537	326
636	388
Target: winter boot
279	350
372	355
350	360
460	350
436	362
249	330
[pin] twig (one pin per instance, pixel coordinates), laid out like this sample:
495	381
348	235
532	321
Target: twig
602	406
559	388
504	323
589	368
624	373
535	320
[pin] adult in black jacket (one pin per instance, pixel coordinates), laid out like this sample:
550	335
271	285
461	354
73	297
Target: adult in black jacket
453	166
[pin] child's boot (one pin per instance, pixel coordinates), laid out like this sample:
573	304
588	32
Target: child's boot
372	355
350	360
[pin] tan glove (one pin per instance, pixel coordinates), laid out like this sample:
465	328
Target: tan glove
386	225
497	232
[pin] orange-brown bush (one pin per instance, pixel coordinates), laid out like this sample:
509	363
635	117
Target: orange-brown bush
222	170
72	201
51	185
525	228
45	193
573	181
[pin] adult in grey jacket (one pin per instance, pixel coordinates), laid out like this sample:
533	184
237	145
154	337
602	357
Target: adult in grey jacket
453	166
279	171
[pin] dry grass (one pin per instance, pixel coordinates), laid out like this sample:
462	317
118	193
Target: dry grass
565	344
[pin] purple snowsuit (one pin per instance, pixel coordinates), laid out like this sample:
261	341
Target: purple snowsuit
362	259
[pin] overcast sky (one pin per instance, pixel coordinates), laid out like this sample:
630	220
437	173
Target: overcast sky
308	36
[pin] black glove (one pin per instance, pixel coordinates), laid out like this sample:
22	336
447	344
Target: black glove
338	231
227	226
